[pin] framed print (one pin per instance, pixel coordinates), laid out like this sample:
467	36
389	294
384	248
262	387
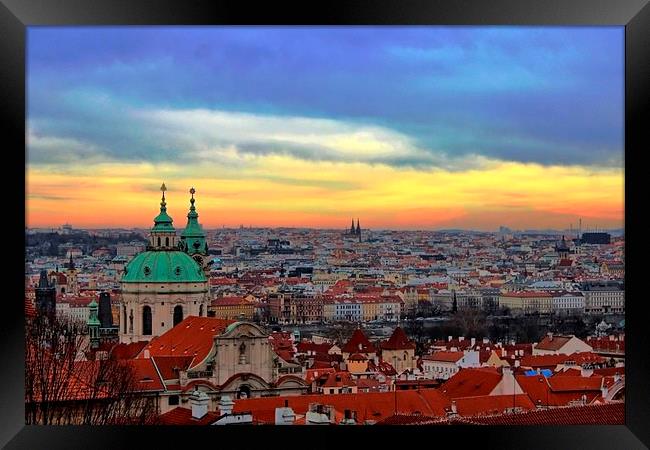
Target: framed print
373	216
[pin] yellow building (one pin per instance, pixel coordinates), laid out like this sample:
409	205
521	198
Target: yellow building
233	308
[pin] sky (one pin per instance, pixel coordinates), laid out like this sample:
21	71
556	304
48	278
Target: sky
401	127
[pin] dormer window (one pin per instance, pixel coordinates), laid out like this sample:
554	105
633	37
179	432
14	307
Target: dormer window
147	271
177	271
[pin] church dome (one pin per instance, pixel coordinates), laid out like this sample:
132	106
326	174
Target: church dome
163	267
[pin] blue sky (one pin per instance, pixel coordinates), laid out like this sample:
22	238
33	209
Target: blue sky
548	95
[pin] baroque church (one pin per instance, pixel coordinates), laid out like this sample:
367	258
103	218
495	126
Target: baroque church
166	282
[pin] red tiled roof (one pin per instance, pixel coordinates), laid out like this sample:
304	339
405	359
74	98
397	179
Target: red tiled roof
398	341
168	366
411	419
147	377
192	337
553	343
601	414
183	416
339	379
492	404
312	374
444	356
368	406
471	383
549	361
609	371
549	391
560	383
304	347
127	351
359	343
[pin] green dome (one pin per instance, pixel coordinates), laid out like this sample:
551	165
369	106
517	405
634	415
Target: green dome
163	267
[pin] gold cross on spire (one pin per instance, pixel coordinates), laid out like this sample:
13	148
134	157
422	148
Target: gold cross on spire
163	188
192	191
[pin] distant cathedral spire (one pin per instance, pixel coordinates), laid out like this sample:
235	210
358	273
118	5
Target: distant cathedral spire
358	228
352	227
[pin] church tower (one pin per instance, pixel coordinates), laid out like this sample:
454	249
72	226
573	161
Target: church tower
160	286
352	231
93	324
193	241
45	296
163	234
358	232
71	276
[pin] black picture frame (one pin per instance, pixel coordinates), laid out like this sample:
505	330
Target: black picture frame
16	15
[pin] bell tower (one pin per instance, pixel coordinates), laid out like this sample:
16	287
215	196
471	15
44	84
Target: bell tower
193	239
163	235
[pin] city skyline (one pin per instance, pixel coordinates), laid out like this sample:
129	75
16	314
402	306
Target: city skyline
419	128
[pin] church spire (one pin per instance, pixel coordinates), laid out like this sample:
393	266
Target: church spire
193	237
163	222
358	227
163	234
352	227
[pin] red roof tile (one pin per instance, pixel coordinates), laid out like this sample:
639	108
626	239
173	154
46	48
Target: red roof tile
492	404
183	416
147	377
127	351
373	406
168	366
444	356
359	343
398	341
471	383
553	343
603	414
191	337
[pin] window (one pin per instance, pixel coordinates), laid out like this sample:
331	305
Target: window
158	242
178	314
201	311
146	320
173	400
166	242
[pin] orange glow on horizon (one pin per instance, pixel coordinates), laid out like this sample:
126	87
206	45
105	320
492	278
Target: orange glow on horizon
280	191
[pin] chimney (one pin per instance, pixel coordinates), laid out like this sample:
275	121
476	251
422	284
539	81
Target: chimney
147	354
226	405
473	342
461	338
617	377
450	338
517	363
586	373
549	335
199	403
285	415
486	340
454	408
604	390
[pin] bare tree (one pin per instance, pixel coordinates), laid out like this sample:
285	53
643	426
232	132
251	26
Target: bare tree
63	386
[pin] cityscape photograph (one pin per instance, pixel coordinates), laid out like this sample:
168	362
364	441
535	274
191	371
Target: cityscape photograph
325	226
